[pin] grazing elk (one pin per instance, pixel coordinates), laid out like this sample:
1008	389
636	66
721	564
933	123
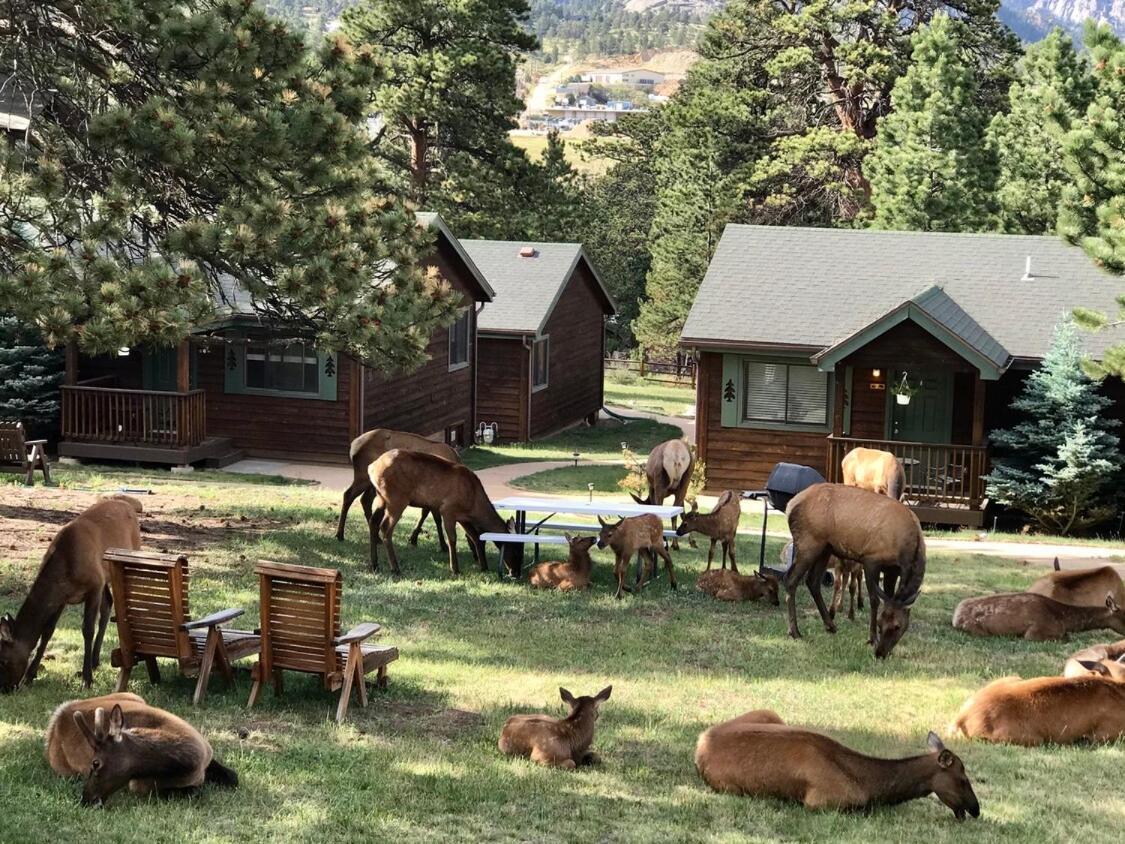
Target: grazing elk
1108	658
720	525
730	586
408	478
879	533
119	740
668	472
1034	617
758	754
635	534
1084	587
1045	710
569	575
847	577
72	572
365	450
874	470
559	742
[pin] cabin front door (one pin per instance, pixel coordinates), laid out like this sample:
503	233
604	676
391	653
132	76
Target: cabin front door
160	370
929	416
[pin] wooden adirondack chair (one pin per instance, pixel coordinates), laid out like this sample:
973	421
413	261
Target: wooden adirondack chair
18	454
150	599
300	608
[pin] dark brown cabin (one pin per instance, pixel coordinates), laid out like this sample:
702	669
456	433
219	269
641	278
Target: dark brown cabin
542	342
814	341
234	390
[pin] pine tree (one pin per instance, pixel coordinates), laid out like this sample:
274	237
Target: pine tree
930	169
1060	464
30	375
1052	89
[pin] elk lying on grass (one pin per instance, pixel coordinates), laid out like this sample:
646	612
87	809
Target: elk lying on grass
633	535
569	575
758	755
408	478
874	470
730	586
1108	658
1045	710
72	572
877	532
119	740
560	742
365	450
720	525
1034	617
668	472
1083	587
847	577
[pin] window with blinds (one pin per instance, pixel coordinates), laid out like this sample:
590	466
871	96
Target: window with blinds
783	392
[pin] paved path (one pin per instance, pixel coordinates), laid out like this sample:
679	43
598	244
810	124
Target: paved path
682	422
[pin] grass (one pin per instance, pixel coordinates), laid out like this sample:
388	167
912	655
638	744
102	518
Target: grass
535	145
420	763
630	390
1029	538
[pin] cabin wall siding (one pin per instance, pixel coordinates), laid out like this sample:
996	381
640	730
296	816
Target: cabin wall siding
502	386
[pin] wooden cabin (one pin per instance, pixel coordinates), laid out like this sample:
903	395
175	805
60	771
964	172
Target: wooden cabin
811	342
237	389
542	341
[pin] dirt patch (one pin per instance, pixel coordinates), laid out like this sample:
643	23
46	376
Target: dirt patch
442	722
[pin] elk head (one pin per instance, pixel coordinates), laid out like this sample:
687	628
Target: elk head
580	545
14	656
511	553
770	586
605	535
950	783
894	619
688	520
114	761
585	703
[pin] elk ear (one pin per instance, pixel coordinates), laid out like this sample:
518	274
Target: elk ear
511	523
568	537
638	500
7	628
935	743
1094	667
116	723
1111	603
601	521
945	759
99	724
80	720
603	695
567	697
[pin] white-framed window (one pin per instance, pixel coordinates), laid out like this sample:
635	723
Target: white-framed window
540	363
459	341
784	393
292	368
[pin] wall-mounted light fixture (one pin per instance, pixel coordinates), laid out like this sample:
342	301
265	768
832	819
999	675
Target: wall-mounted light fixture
123	352
876	373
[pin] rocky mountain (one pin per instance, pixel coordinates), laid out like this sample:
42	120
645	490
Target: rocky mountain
1032	19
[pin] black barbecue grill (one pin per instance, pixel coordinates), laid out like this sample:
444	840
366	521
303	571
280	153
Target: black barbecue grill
784	482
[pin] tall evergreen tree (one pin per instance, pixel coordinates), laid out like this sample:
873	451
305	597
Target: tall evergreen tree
1051	90
1060	463
186	141
930	169
30	375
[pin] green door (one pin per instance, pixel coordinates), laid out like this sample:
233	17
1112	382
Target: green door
929	416
160	370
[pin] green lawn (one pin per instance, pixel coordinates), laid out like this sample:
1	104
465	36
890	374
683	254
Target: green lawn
420	763
629	390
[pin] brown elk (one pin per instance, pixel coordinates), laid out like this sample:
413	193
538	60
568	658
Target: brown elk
365	450
874	470
730	586
668	472
759	755
569	575
559	742
720	525
630	536
72	572
411	479
847	577
1034	617
1084	587
119	740
879	533
1045	710
1108	658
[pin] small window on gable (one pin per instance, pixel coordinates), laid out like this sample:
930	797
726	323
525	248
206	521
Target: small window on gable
540	363
459	342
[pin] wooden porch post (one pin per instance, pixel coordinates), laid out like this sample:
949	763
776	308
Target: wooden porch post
183	367
71	377
838	404
978	409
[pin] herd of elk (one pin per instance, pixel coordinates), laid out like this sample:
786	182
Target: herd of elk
73	572
1084	587
634	535
720	526
758	754
1034	617
572	574
119	740
668	472
731	586
877	532
558	742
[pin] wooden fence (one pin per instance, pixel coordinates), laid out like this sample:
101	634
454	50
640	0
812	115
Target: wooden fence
679	370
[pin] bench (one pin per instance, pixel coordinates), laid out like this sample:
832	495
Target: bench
21	455
668	534
537	540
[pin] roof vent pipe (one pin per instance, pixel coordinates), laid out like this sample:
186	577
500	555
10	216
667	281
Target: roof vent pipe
1027	276
528	252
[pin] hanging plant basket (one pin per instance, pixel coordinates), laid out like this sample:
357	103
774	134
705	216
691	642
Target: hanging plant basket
904	391
902	398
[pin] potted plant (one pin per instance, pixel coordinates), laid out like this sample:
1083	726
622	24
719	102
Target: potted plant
904	391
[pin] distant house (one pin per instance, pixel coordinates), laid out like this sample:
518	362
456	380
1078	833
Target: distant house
237	388
17	104
579	113
806	337
542	341
640	77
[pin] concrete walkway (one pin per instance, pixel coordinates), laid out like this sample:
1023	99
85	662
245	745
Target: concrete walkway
682	422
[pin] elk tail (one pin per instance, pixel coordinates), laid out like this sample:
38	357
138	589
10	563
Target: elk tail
220	775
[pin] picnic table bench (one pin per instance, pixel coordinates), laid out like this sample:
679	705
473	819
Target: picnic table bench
19	454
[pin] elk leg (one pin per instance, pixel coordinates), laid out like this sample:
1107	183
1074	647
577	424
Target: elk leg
837	594
438	529
89	622
387	529
728	547
872	576
853	587
663	552
858	590
451	536
619	569
418	528
711	553
374	528
103	621
813	580
44	637
359	485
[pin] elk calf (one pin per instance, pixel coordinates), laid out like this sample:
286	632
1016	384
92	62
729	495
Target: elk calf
572	574
1045	710
72	572
720	525
636	534
1084	587
559	742
1034	617
119	740
729	586
758	755
1108	658
847	577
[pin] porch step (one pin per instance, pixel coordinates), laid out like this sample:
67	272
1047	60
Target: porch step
222	453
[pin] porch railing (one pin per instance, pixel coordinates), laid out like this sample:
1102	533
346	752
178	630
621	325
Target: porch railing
937	474
144	417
